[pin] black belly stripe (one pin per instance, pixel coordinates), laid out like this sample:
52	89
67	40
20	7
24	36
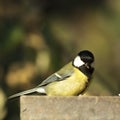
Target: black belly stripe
87	71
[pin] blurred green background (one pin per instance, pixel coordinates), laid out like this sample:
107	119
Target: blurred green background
37	37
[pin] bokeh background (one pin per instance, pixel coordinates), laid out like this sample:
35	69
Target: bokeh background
37	37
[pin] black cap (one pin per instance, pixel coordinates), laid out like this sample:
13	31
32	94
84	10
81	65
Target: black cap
86	56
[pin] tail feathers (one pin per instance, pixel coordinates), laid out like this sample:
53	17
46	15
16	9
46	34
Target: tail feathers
23	93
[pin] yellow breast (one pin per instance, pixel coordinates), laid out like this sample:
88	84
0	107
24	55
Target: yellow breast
71	86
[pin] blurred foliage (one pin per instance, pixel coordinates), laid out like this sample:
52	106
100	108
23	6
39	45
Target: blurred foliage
39	37
2	104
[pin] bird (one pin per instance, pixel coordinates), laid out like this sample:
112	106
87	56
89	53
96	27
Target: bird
71	80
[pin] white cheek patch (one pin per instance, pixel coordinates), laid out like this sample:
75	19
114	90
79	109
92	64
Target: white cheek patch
78	62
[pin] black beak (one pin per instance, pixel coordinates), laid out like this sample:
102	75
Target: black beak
87	65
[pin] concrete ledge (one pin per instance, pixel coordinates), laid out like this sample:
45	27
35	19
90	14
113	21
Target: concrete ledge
70	108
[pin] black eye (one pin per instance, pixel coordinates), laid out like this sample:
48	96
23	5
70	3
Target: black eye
86	56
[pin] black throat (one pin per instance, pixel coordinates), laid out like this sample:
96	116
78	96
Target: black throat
87	70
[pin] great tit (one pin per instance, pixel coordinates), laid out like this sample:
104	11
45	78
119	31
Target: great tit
71	80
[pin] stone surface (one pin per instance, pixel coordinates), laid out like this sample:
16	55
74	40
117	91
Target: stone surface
70	108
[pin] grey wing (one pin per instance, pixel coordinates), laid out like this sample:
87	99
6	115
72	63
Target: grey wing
52	78
56	77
